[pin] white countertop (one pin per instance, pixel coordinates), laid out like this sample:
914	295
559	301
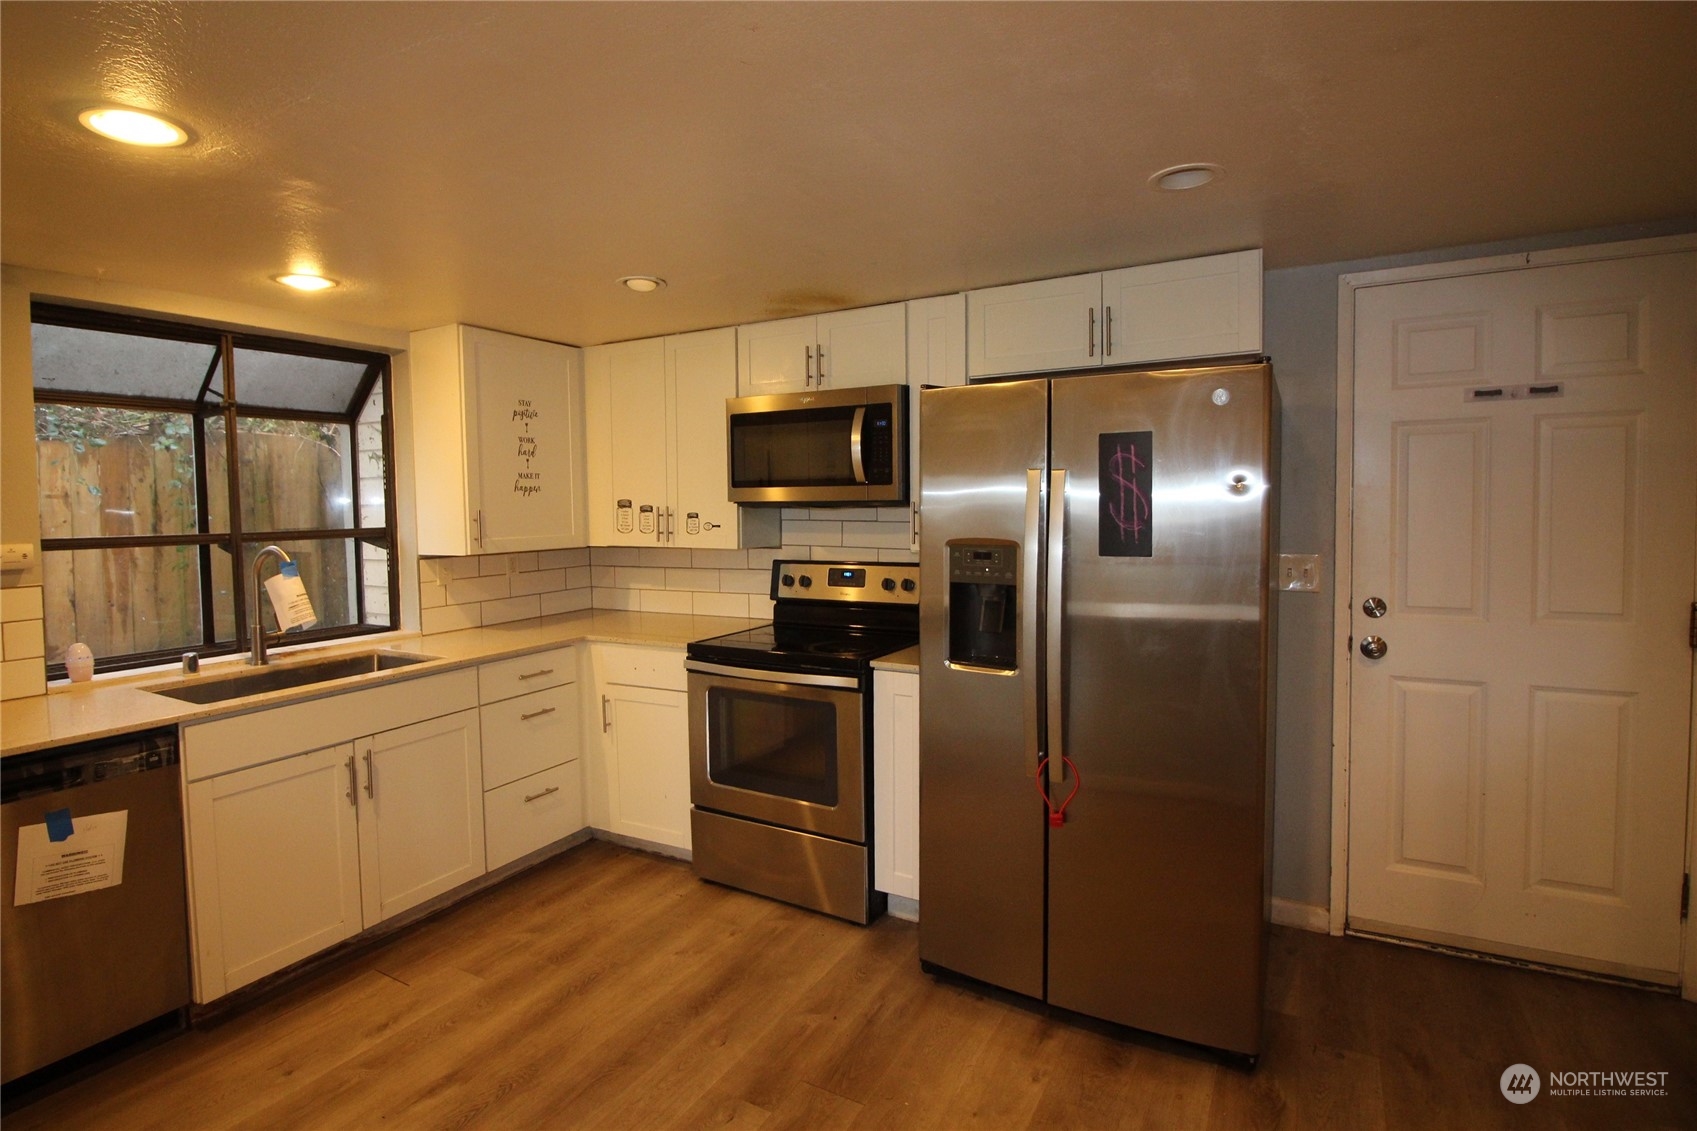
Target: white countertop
907	660
121	704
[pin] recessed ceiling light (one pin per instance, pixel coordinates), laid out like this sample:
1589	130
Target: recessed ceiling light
133	127
305	282
643	284
1181	177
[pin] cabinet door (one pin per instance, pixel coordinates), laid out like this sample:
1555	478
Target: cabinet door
1192	308
626	398
895	779
421	820
701	373
1026	327
274	863
647	745
862	347
936	355
777	357
527	468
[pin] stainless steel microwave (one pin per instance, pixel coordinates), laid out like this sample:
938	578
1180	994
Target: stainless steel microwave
831	447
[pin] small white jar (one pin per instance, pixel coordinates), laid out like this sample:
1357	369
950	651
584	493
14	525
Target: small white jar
79	663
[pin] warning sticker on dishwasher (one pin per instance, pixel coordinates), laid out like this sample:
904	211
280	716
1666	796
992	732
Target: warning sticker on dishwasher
54	862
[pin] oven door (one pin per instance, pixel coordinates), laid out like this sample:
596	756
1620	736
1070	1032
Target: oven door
781	747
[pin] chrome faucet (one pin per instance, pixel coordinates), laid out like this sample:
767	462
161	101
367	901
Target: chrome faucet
256	626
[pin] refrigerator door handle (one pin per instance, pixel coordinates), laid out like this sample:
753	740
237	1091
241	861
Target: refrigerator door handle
1054	618
1030	557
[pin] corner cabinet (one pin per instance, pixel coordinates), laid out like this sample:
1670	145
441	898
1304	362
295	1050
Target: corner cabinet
498	442
1158	312
657	460
839	350
639	770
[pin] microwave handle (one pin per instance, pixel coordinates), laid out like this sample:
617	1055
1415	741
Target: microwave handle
854	444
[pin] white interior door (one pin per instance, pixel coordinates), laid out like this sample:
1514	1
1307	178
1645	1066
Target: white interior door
1524	502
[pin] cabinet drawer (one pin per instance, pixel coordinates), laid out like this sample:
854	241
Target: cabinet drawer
529	733
507	678
524	815
643	667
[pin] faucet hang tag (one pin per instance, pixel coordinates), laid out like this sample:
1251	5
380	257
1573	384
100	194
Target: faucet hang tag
289	600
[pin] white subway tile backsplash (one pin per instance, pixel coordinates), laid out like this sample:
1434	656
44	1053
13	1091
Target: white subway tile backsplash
810	533
472	589
720	605
898	556
491	564
456	568
580	577
24	640
431	594
22	602
876	535
20	679
522	562
640	577
665	601
447	618
565	601
514	608
745	580
763	559
671	557
615	556
562	559
719	559
695	580
539	581
848	514
617	598
604	576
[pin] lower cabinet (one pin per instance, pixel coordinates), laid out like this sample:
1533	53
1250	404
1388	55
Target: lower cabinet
895	783
639	777
296	854
532	733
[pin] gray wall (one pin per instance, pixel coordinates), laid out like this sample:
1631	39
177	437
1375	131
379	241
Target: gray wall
1301	331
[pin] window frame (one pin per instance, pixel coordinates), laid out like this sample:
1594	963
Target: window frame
217	397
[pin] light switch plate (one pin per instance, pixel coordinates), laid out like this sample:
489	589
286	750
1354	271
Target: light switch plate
1299	573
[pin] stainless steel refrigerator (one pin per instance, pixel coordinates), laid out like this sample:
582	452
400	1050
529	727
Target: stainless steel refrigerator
1096	601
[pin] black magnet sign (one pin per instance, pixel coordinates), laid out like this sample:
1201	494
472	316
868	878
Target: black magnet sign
1124	468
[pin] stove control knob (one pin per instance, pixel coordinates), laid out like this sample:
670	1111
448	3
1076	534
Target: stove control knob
787	579
908	585
889	585
806	582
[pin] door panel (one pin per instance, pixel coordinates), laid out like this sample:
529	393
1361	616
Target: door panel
1156	878
1526	505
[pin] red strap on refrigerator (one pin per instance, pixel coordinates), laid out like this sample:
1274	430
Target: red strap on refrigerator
1057	815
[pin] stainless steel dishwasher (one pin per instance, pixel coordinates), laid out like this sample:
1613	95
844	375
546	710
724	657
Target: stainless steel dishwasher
76	969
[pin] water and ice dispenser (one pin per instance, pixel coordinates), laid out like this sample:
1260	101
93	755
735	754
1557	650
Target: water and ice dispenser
984	603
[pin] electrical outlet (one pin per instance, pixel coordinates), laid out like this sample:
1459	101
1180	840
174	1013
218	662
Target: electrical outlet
17	555
1299	573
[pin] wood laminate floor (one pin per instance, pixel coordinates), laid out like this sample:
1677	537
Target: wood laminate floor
612	989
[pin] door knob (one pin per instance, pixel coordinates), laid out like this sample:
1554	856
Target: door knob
1374	647
1373	607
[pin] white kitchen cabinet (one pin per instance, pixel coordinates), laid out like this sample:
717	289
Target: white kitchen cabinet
498	442
657	459
895	782
310	822
532	737
1157	312
420	813
639	773
275	862
838	350
936	355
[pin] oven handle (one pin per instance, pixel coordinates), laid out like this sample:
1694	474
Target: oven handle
806	678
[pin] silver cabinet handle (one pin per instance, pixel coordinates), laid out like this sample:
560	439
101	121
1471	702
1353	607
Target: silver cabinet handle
544	793
1028	567
855	432
819	356
535	674
1107	331
809	381
538	714
1092	351
1054	612
353	784
370	778
606	723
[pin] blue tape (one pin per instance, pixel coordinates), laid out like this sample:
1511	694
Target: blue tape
58	825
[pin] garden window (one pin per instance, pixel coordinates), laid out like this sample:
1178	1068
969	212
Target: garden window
168	455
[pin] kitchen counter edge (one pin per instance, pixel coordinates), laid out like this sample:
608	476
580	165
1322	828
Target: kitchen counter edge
104	708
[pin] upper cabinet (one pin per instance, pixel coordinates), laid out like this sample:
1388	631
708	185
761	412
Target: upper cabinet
498	442
1158	312
656	444
838	350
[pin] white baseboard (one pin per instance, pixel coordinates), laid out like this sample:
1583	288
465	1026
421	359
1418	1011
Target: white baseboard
901	907
1306	916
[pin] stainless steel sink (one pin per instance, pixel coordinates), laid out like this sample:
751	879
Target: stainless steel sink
216	689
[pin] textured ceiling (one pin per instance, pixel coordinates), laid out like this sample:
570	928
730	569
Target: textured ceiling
502	164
